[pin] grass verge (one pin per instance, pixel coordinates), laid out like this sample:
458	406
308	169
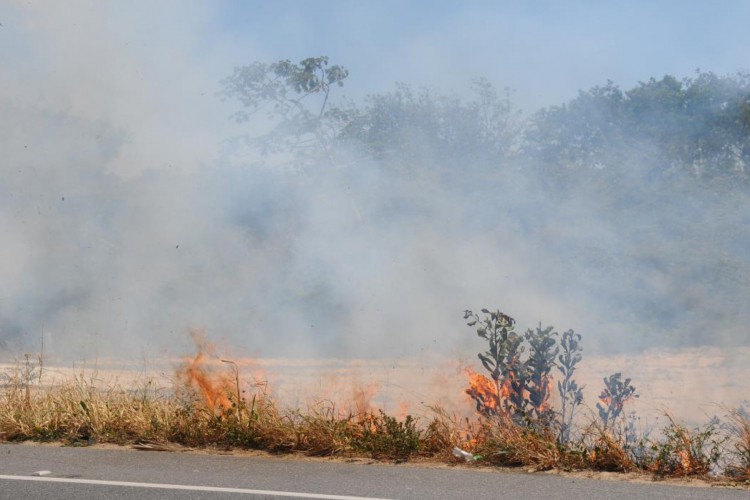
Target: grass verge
79	412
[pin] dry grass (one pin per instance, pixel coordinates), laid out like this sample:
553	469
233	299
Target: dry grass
79	411
503	441
685	452
739	427
604	450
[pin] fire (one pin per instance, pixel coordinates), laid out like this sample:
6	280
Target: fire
685	460
492	397
348	395
362	397
197	374
547	392
487	394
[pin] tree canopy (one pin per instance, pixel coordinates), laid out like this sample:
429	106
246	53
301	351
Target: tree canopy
697	126
295	98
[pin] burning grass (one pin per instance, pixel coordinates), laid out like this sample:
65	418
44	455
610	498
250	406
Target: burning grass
517	419
206	408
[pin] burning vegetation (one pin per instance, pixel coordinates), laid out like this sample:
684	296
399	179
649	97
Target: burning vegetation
212	386
518	418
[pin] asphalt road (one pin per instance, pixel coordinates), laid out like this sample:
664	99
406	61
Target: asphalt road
129	474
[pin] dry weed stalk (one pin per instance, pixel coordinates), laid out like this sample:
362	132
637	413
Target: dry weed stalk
739	429
604	450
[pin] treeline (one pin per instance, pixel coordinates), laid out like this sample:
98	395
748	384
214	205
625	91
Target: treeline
697	126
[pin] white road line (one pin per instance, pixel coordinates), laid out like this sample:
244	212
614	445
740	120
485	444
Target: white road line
217	489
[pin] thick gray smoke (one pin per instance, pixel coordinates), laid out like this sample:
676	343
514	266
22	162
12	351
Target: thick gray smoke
124	225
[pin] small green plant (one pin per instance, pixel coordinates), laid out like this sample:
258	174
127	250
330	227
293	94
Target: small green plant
522	385
613	398
384	436
571	395
502	359
542	351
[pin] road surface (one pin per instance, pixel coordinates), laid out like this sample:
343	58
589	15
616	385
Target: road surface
73	473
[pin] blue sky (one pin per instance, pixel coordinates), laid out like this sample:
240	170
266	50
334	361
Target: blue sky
545	52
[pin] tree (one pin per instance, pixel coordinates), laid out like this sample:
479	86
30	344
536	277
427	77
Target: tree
296	98
406	127
411	128
698	126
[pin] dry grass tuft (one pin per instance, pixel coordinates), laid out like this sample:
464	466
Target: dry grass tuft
739	427
685	452
504	441
606	451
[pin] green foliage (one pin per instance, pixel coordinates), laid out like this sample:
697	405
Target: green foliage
542	352
613	398
295	97
571	395
697	125
386	436
522	384
417	128
503	359
504	343
739	432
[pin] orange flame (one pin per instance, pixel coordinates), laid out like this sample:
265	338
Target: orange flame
348	395
685	460
545	406
212	386
362	397
490	396
485	392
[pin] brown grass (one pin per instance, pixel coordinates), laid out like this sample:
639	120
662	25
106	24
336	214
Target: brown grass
503	441
605	451
739	426
81	411
684	452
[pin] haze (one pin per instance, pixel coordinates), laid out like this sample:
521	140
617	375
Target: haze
129	216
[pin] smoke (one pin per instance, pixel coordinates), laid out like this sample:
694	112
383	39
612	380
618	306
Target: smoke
127	220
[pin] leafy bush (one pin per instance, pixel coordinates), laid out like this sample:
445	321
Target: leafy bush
613	398
522	385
